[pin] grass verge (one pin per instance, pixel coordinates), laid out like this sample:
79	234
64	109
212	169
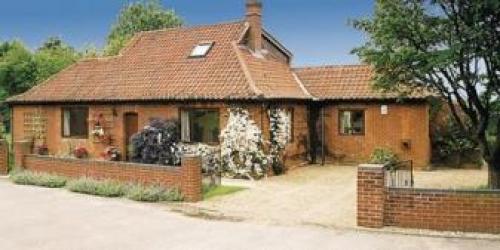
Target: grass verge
37	179
210	192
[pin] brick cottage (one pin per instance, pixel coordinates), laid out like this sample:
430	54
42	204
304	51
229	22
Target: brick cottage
194	74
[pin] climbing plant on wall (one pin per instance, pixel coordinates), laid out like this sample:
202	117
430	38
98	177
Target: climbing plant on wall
242	146
280	136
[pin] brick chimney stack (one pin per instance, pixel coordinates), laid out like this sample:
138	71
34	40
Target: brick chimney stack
254	19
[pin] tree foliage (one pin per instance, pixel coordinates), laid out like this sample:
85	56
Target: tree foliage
21	69
448	46
53	56
136	17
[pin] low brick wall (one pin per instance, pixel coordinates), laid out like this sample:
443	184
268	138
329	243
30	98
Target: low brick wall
469	211
187	177
4	157
448	210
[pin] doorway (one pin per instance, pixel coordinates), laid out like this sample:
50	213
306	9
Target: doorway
131	125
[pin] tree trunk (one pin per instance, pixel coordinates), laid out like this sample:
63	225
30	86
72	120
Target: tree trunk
494	163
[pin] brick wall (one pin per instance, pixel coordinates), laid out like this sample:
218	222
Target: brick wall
371	195
4	157
470	211
114	123
187	177
404	122
448	210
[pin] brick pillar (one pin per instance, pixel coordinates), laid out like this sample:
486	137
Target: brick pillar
191	186
371	195
21	149
4	157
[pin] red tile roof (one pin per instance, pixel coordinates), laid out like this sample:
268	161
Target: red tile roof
344	82
156	66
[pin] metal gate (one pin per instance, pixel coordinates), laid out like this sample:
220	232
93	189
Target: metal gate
400	175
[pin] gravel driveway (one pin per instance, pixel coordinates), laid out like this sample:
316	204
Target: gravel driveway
315	195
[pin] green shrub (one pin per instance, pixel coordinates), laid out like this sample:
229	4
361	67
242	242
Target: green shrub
153	193
37	179
384	156
105	188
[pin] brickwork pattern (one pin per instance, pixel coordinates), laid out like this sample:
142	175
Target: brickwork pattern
371	195
446	210
4	157
404	122
468	211
114	114
187	177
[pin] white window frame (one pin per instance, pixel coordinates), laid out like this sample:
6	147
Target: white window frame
202	49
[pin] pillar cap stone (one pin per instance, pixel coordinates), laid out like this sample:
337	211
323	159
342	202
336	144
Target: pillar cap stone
372	166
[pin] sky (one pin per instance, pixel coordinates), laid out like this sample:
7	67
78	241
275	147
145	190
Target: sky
316	31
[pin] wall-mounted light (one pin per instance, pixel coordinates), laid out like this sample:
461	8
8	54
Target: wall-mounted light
384	110
406	143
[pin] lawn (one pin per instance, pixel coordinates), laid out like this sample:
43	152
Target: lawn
214	191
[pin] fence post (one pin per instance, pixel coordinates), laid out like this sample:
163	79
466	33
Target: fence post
371	195
21	149
191	184
4	157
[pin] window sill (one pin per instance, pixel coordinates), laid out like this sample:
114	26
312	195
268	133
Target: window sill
206	143
76	137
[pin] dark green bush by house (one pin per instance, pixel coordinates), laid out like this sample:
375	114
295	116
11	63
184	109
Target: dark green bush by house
157	143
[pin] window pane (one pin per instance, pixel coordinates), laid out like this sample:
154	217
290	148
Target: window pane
75	122
66	121
357	122
185	131
201	50
202	126
352	122
346	122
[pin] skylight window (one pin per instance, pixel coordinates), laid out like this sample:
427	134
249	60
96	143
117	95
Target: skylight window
202	49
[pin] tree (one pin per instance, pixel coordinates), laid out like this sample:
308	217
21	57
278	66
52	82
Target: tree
53	56
448	46
21	69
17	74
140	16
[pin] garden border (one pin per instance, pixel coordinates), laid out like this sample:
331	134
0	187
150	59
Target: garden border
187	177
